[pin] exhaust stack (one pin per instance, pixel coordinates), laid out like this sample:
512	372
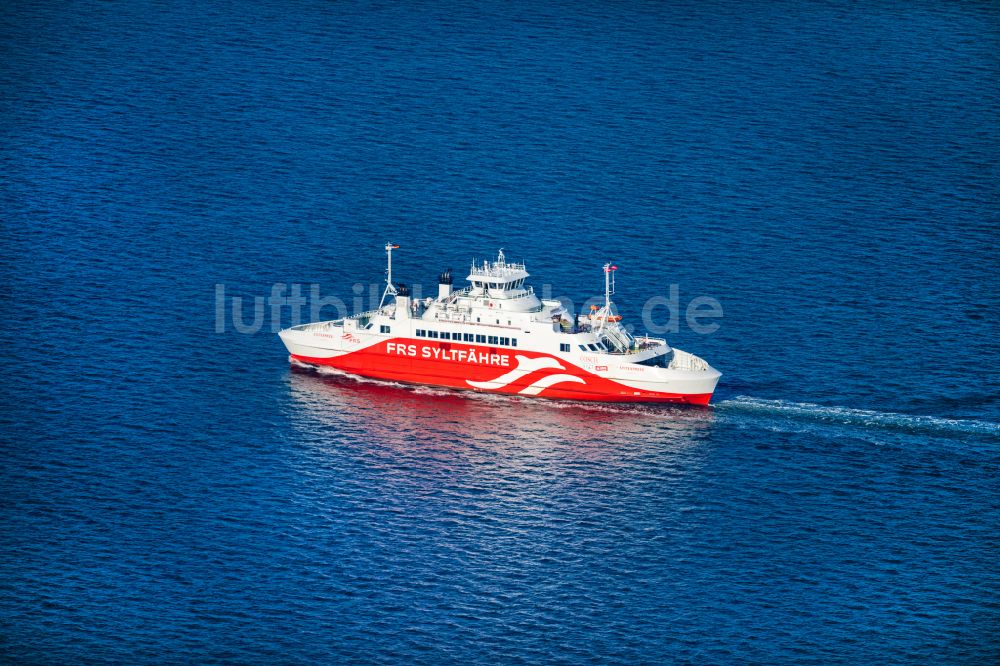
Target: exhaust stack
444	285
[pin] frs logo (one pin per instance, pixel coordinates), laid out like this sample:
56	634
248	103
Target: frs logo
448	354
526	366
350	338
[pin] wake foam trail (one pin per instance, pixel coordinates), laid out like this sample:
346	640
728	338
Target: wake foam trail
807	411
800	412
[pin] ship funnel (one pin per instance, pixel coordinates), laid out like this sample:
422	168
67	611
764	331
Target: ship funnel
444	285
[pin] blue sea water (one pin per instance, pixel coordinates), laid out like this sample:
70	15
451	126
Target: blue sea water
177	493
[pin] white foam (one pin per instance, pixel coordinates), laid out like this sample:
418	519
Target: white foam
797	411
857	417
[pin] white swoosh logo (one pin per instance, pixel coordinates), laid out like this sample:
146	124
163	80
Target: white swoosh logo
525	366
548	381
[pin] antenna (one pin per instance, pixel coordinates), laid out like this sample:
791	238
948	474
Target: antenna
609	284
389	287
604	315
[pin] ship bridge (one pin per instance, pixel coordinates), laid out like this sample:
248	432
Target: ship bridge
497	274
500	284
498	279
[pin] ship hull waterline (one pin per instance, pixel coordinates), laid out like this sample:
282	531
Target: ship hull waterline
524	373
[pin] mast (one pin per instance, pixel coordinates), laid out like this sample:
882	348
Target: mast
607	286
390	288
604	314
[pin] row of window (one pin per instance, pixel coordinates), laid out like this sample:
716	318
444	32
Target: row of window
467	337
506	286
599	347
491	339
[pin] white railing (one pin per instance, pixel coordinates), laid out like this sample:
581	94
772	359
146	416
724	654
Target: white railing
319	325
496	269
366	313
686	361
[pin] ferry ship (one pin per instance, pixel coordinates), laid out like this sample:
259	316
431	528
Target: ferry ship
495	335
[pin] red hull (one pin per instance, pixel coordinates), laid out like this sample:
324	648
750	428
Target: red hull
495	369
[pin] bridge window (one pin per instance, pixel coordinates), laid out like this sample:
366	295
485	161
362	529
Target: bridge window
593	347
582	348
564	347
